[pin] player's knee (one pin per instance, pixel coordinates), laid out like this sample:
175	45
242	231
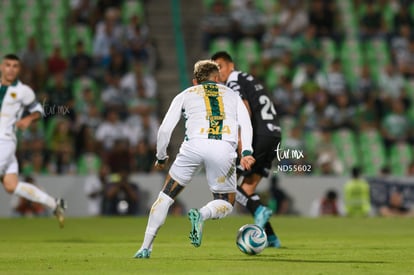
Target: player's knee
229	197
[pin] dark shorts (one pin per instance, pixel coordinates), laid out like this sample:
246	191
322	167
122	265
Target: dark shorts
264	151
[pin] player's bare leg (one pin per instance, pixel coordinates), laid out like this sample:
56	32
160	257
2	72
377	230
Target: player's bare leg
31	192
250	183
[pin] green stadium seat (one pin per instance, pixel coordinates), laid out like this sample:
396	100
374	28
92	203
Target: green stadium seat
361	9
400	157
21	40
329	48
350	23
247	45
312	139
31	9
51	19
80	83
50	128
8	8
88	164
351	49
28	28
388	14
375	68
329	52
273	75
352	60
7	46
247	52
81	33
372	152
287	123
221	44
377	56
267	6
412	9
409	88
53	4
130	8
208	3
345	143
368	137
377	50
60	9
344	4
352	69
55	35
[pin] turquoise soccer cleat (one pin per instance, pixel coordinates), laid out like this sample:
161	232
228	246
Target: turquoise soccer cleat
262	215
196	227
273	241
142	254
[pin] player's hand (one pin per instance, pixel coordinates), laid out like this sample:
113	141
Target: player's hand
23	123
247	162
160	164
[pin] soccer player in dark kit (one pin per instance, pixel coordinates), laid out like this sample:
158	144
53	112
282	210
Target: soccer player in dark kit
266	137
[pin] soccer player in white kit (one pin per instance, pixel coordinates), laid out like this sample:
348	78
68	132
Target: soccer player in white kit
15	97
214	115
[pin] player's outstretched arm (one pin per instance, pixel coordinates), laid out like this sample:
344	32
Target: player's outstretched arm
25	122
166	128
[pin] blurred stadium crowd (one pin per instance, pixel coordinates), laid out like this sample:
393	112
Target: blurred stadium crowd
340	72
91	64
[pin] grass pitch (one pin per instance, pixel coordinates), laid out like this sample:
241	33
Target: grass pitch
106	246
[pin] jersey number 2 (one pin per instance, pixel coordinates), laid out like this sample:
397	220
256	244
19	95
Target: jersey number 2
268	111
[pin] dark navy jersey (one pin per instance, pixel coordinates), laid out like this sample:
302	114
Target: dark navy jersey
264	116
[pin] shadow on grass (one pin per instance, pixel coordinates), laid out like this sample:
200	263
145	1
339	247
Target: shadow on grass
82	240
265	258
324	261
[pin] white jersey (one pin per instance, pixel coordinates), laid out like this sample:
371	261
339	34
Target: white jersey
211	111
14	99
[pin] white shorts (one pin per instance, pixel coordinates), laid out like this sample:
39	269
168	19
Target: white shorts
8	160
217	156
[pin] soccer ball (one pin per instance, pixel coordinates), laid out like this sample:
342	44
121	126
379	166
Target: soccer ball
251	239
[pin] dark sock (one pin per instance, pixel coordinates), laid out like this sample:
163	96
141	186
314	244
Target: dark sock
253	203
269	230
250	202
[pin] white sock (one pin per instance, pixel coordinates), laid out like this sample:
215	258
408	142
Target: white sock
33	193
216	209
156	219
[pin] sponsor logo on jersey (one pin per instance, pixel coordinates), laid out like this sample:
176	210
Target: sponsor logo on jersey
216	130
